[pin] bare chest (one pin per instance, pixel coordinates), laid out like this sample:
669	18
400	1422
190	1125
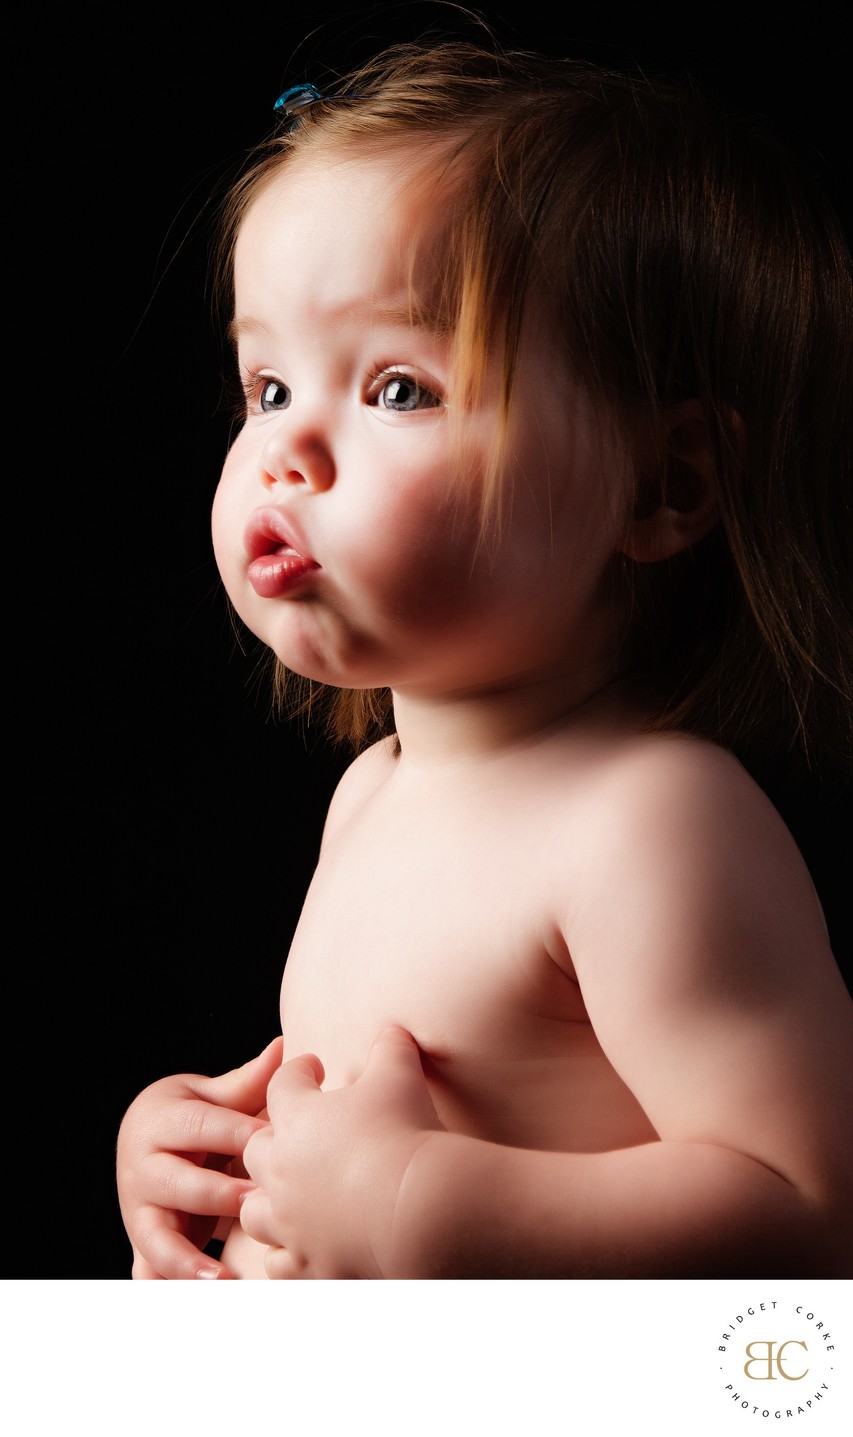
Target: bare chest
429	934
453	934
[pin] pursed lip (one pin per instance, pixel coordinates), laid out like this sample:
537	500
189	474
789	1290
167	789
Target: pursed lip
268	532
277	559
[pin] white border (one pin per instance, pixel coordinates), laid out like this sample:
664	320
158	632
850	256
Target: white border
421	1359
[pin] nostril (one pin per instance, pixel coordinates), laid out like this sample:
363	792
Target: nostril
296	458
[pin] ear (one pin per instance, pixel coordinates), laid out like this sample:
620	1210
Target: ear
678	504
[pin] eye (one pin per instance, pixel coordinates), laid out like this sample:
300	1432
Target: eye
272	396
402	394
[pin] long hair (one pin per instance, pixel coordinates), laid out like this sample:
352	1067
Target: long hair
682	254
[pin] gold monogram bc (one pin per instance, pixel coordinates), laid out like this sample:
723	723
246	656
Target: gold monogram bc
773	1361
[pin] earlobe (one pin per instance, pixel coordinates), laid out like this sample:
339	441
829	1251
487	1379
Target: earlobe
677	503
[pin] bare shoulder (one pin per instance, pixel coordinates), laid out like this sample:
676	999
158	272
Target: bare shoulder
674	771
689	862
358	782
674	806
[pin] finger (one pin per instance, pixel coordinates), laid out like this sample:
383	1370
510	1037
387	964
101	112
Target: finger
394	1036
165	1252
397	1047
306	1065
394	1066
244	1088
302	1074
172	1182
142	1271
202	1127
256	1158
256	1219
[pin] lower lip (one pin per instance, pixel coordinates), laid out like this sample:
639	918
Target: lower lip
274	575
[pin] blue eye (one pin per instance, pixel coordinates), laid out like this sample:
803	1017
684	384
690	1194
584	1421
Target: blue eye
401	394
273	396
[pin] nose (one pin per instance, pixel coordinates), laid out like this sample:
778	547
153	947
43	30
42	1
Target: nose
297	453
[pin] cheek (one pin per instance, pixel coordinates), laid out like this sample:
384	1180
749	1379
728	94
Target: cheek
415	557
220	526
226	523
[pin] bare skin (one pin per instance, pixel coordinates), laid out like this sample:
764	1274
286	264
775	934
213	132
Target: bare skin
619	1042
571	994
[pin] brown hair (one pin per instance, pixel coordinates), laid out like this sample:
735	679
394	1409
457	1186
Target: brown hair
683	255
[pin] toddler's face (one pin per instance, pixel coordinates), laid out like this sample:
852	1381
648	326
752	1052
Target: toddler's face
343	536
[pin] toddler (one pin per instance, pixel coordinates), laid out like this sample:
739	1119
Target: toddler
539	491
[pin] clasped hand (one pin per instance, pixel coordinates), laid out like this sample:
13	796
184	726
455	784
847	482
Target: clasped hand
330	1166
177	1164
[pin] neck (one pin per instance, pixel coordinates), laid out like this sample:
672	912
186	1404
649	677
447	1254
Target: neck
472	724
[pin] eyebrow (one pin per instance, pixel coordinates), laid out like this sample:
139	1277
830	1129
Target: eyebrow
391	312
411	314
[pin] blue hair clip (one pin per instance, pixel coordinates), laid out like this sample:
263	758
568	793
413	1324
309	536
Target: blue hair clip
291	101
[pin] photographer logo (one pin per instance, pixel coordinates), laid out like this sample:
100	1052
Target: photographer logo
777	1362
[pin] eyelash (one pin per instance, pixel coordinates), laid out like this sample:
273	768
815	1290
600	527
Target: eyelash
254	384
386	374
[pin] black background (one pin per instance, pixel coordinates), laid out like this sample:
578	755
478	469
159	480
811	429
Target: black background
168	827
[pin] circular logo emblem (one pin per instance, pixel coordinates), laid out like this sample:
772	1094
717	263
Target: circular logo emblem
777	1361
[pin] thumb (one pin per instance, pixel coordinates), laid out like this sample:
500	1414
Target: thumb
305	1073
397	1046
395	1066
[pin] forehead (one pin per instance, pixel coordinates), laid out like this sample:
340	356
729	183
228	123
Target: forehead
349	230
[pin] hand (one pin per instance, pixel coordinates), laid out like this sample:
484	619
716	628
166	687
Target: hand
330	1166
174	1141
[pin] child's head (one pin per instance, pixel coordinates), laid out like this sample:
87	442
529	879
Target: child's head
699	290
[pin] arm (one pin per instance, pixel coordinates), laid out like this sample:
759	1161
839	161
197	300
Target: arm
700	949
174	1141
364	1182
